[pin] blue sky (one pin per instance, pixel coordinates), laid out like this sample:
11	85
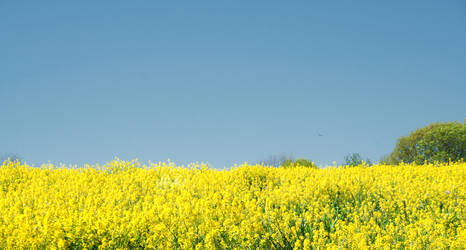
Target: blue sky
225	81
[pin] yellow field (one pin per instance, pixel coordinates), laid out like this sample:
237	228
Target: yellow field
128	205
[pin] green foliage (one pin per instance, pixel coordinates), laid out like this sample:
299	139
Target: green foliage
355	159
299	162
437	142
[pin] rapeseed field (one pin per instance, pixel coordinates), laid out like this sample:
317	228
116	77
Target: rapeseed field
128	205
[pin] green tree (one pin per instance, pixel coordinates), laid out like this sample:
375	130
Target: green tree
299	162
437	142
355	159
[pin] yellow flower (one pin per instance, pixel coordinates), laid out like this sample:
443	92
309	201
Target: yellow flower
125	205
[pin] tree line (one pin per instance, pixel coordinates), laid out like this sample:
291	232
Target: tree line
437	142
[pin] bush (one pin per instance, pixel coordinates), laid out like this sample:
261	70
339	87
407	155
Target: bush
437	142
355	159
299	162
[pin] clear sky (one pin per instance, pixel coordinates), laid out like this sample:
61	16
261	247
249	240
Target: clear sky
225	81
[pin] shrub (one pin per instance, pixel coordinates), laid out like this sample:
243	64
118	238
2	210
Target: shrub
355	159
299	162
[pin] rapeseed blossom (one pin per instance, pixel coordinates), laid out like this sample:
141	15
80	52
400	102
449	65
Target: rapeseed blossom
125	204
